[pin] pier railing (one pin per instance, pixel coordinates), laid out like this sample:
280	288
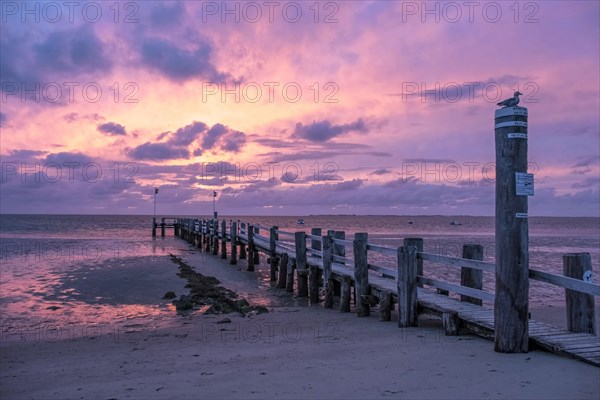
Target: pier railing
339	266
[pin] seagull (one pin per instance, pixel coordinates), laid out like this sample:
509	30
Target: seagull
513	101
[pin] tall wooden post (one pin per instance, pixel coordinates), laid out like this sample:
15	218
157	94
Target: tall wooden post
338	250
327	278
233	235
215	249
580	306
418	244
273	252
162	227
511	309
256	251
314	277
224	240
361	273
242	246
407	286
250	255
153	226
283	266
301	268
471	277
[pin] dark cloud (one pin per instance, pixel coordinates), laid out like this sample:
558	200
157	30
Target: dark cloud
177	145
381	171
187	135
72	51
158	152
112	129
322	131
180	64
165	15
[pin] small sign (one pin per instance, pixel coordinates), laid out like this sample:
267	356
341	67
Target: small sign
524	184
516	136
587	276
521	215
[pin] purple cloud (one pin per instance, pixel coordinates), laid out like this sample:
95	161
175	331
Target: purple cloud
323	130
112	129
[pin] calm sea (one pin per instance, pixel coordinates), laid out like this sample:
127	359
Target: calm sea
98	271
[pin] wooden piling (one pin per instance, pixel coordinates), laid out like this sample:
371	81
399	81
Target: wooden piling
418	244
301	267
315	272
407	286
233	236
345	294
471	277
361	273
162	227
224	240
208	236
327	278
385	306
250	255
283	266
580	306
289	284
273	252
338	250
215	246
511	324
255	251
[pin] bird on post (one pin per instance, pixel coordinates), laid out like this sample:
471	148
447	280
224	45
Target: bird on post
511	102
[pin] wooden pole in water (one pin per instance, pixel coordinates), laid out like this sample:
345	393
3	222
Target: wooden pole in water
511	309
232	234
256	251
361	273
471	277
162	227
327	278
215	249
154	226
301	268
580	306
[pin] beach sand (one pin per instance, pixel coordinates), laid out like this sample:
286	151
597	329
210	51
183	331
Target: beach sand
294	351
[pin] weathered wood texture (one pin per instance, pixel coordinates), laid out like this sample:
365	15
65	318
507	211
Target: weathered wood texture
283	266
407	286
327	278
470	277
250	255
273	237
580	306
233	234
345	295
301	266
512	237
361	273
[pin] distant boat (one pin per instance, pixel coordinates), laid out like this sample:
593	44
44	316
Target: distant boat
410	222
455	223
300	221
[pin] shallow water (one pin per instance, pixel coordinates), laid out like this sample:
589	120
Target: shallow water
74	275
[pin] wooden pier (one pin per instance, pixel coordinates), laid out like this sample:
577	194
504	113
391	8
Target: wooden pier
318	267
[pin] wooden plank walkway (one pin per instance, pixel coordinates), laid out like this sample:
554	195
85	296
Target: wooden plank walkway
470	317
480	321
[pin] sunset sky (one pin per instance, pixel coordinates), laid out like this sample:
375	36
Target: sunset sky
294	108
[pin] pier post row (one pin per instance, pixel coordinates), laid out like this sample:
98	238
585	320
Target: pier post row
513	185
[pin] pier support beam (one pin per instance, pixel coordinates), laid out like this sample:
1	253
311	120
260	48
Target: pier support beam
511	307
580	306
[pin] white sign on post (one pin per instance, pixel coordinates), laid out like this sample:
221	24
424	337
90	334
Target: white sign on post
524	184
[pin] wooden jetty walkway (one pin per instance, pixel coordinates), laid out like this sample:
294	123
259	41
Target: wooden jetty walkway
320	268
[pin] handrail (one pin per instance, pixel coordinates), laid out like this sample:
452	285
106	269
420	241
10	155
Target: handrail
458	262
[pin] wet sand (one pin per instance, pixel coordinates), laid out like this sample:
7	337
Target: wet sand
294	351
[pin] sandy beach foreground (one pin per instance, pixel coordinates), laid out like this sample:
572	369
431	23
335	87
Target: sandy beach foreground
291	352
